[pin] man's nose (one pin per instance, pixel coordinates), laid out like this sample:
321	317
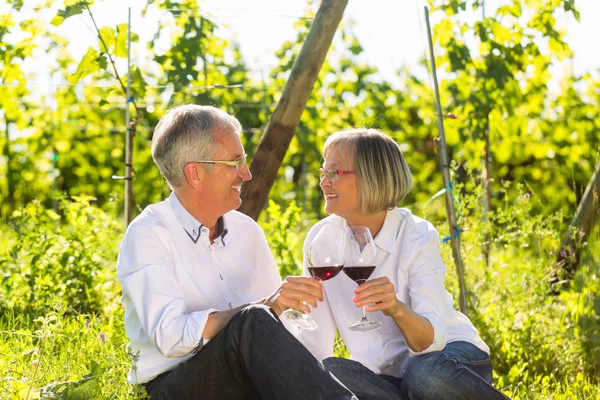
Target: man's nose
244	172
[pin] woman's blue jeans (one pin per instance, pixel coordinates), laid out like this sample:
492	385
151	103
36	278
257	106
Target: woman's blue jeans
460	371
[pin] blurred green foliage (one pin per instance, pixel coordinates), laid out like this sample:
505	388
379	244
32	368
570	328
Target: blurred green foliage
72	260
543	148
70	343
494	69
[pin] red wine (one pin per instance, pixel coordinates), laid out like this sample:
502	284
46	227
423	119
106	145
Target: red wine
359	274
324	273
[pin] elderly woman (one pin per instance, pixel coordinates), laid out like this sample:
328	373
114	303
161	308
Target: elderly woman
424	349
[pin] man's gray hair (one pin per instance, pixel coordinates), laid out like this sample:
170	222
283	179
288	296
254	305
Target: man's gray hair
186	134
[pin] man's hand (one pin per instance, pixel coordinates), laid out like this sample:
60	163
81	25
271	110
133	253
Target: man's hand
381	293
292	292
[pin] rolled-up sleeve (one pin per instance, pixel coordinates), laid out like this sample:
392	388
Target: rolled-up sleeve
426	287
145	270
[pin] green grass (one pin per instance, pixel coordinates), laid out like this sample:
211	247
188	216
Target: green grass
544	345
64	356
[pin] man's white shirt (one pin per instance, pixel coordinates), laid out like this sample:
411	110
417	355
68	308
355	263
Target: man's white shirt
408	253
173	278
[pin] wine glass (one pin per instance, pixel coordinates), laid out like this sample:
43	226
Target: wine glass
360	264
324	259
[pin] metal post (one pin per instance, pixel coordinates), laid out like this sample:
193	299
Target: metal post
128	135
444	167
487	170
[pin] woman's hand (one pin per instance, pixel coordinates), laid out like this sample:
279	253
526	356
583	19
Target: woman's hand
417	330
292	292
382	294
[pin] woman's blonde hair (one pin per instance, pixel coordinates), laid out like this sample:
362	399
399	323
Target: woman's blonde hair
382	174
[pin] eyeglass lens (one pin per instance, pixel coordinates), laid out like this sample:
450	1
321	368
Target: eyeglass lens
331	174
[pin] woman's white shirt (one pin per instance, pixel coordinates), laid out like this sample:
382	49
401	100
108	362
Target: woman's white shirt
408	253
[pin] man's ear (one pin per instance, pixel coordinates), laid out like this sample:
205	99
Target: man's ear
194	175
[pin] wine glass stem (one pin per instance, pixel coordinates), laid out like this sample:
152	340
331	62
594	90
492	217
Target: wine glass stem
364	314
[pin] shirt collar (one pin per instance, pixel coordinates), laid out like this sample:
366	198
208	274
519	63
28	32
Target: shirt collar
191	225
222	221
386	237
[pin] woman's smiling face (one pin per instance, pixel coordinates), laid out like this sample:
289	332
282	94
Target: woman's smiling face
342	197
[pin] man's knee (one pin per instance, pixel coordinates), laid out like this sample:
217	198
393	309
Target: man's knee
256	318
259	313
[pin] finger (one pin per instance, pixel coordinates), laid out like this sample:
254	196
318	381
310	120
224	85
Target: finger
310	286
387	288
380	306
374	299
286	304
292	300
299	295
371	283
305	280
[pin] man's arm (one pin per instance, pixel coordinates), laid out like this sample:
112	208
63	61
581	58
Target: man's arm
152	293
289	294
217	321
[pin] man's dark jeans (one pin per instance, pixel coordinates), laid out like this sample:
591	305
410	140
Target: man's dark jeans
253	357
461	371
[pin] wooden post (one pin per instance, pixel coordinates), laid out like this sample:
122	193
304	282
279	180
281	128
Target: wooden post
486	176
128	135
444	167
282	124
581	226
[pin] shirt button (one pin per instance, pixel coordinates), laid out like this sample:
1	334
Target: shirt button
221	276
230	306
374	337
204	230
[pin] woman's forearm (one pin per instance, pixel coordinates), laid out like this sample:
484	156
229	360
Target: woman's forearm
417	330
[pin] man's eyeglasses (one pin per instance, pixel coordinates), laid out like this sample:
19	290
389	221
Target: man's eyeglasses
332	174
237	164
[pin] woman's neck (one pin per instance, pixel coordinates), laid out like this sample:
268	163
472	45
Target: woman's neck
373	222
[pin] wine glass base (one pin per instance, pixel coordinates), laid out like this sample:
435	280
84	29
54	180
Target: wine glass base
300	319
365	325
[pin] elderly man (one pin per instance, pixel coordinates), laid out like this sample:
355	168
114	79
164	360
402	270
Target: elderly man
201	290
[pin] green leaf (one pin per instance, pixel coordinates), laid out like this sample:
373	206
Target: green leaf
69	11
107	34
355	47
138	82
89	389
16	4
121	41
569	5
102	61
88	65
